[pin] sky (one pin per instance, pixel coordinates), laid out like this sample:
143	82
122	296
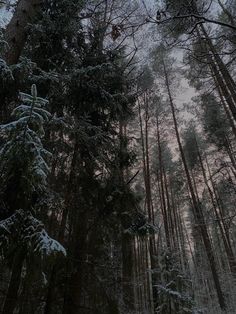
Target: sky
186	92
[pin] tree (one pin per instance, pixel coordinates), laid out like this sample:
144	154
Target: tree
16	33
23	175
172	287
198	214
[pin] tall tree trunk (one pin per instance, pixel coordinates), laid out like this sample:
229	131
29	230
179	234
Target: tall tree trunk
197	208
148	183
16	32
229	81
76	266
128	271
13	288
228	249
49	304
142	143
221	84
68	193
224	103
219	204
127	241
222	87
169	211
161	188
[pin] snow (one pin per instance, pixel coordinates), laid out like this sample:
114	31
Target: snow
6	74
38	101
22	228
6	12
172	293
45	282
5	17
24	134
14	124
47	245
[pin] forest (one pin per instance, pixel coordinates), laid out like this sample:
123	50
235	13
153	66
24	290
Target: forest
117	156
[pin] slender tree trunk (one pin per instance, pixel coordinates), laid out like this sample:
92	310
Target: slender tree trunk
217	75
76	270
223	88
148	183
228	250
177	230
162	190
142	143
229	81
13	288
127	242
198	211
169	214
150	241
127	271
50	292
65	211
227	110
229	150
219	205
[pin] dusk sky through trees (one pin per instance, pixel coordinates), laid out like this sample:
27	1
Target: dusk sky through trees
117	157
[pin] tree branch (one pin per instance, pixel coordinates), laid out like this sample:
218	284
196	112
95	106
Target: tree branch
201	18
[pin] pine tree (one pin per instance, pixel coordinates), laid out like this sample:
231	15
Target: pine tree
24	172
172	287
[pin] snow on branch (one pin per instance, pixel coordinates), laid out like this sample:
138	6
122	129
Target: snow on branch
23	229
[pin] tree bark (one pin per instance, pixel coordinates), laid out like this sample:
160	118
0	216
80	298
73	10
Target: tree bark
230	83
161	188
198	214
16	32
68	195
13	288
228	249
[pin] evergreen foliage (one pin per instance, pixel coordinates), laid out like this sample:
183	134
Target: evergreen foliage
117	190
173	287
24	165
214	121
